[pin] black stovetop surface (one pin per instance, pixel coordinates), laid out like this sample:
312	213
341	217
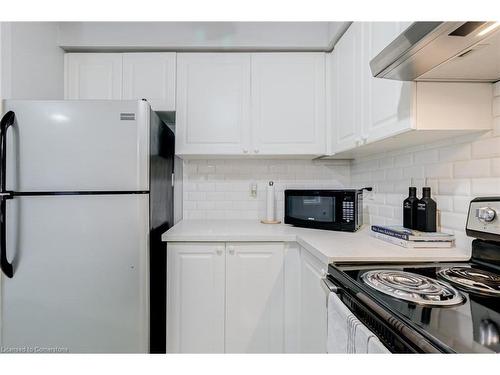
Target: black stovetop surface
462	328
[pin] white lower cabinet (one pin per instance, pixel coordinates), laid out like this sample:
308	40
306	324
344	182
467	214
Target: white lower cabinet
254	298
195	297
313	312
225	297
244	297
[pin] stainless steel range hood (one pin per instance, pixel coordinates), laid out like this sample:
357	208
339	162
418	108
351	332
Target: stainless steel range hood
442	51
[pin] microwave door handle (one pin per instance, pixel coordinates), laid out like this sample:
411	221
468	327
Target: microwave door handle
7	120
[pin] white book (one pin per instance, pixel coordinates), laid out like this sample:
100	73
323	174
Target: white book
413	244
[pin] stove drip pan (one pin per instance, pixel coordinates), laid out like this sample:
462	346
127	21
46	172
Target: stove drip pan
413	287
473	280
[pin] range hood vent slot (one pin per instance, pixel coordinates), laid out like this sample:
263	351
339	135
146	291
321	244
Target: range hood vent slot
465	53
466	28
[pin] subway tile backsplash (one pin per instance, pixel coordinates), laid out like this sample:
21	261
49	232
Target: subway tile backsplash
220	189
457	170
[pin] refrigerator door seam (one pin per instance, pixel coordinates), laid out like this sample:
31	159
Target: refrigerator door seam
45	193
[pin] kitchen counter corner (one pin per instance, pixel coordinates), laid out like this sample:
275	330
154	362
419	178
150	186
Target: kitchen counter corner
327	246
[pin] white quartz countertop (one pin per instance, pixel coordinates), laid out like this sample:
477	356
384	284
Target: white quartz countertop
327	246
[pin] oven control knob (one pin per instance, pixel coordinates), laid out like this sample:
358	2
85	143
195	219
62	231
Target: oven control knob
486	214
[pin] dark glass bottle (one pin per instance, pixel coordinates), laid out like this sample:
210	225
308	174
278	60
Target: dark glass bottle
426	212
410	209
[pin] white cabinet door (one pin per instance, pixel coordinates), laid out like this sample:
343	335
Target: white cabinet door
195	297
313	314
345	94
213	103
93	76
254	298
150	76
387	104
288	103
383	34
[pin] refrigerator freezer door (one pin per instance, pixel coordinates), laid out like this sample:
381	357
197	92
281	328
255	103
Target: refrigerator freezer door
78	145
80	280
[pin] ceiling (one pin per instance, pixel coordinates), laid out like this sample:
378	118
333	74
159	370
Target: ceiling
204	36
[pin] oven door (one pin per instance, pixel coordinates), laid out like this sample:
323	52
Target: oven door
314	208
395	334
346	333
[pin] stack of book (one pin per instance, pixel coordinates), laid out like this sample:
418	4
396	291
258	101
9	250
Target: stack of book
411	238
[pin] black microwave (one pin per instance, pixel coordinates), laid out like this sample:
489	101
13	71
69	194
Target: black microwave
325	209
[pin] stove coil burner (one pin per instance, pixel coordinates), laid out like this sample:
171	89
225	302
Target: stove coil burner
412	287
472	280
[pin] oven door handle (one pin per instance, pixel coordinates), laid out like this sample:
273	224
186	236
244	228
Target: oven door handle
328	286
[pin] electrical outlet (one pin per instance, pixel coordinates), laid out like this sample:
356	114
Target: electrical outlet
253	190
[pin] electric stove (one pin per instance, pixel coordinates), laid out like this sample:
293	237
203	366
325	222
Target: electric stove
432	307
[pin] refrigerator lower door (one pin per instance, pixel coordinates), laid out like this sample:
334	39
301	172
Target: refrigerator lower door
80	280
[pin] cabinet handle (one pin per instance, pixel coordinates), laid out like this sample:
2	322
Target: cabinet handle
231	249
219	251
245	151
256	151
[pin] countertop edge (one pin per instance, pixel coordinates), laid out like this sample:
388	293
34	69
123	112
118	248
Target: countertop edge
460	255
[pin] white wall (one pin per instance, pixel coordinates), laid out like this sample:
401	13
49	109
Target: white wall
457	170
198	35
31	62
220	189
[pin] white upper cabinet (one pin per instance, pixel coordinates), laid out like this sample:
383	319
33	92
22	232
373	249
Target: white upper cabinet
250	104
93	76
387	104
288	103
344	95
383	34
254	298
367	114
150	76
213	104
118	76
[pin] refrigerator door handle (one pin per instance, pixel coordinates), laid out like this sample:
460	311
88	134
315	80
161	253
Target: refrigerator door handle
6	267
7	120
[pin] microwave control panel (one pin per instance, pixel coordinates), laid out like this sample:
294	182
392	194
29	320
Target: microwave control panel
348	210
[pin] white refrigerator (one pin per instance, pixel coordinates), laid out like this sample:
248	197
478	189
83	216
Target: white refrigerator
84	185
